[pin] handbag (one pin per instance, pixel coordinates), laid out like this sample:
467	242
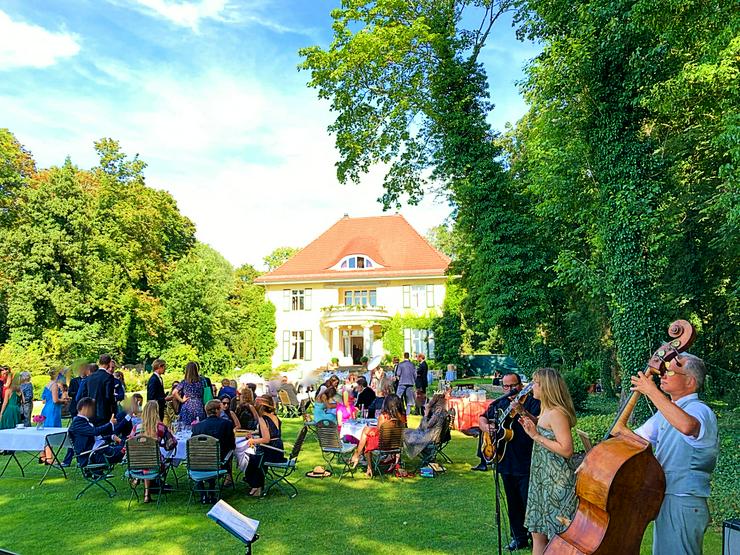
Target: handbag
207	391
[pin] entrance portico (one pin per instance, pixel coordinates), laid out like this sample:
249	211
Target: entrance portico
354	330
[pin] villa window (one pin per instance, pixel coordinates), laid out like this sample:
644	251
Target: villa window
296	299
419	341
297	345
356	262
362	297
418	296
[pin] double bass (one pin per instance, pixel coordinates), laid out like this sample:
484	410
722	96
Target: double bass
620	484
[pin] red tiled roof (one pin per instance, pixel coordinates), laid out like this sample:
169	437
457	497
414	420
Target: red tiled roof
388	240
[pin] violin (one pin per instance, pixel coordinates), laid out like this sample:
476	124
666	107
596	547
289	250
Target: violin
620	484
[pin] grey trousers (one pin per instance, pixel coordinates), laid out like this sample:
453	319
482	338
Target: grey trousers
410	394
680	525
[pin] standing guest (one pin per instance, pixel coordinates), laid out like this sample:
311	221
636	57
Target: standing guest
53	398
155	386
26	397
684	435
189	393
406	377
430	427
4	379
171	406
325	406
514	467
365	397
119	387
74	388
378	379
100	386
370	438
226	389
151	426
223	431
551	498
421	382
84	435
270	436
10	413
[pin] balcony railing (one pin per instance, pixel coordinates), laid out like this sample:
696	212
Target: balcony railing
353	313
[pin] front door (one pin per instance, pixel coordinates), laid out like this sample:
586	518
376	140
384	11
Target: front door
357	349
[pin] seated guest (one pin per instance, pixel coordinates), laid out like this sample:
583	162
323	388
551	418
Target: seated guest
289	388
223	431
365	397
325	406
269	446
171	406
346	409
245	410
226	389
429	428
370	438
85	436
226	412
377	405
333	381
151	426
135	408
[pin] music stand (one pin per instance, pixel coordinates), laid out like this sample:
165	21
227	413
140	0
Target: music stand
241	527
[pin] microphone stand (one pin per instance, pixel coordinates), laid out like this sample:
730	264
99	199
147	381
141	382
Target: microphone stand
496	479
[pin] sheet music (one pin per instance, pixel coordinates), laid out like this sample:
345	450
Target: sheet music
227	516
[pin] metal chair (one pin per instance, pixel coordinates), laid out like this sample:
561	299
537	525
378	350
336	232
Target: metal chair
55	443
144	462
388	454
288	408
96	473
445	437
205	465
279	472
333	449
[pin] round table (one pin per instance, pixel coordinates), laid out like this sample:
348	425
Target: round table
467	412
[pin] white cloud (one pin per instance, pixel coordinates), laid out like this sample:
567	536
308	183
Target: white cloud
27	45
183	13
251	164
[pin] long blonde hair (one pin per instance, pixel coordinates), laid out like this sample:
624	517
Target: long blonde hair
150	419
554	393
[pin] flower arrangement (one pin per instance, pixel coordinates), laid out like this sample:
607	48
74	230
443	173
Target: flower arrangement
39	420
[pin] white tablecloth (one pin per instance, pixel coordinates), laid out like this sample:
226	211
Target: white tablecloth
181	451
354	428
26	439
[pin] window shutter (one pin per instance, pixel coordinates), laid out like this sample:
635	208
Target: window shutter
308	345
407	340
407	296
286	300
286	345
307	299
430	344
430	296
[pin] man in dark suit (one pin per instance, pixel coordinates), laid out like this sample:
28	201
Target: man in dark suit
421	382
74	388
155	386
100	386
223	431
84	435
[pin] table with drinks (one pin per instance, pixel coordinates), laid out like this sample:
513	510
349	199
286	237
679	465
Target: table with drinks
469	405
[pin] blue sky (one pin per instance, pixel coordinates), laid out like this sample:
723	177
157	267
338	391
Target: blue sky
208	94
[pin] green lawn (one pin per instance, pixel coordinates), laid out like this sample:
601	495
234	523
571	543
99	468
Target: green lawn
449	514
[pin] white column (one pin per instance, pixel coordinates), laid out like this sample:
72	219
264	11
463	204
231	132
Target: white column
335	346
366	341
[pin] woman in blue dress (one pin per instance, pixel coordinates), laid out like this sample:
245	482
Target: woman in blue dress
53	398
189	393
325	406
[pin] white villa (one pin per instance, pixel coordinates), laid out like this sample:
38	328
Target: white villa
332	296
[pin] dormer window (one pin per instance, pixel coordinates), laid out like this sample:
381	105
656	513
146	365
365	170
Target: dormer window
356	262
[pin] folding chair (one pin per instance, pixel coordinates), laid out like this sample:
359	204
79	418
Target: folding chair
445	436
11	457
388	454
205	464
288	408
96	474
55	443
144	462
278	473
333	449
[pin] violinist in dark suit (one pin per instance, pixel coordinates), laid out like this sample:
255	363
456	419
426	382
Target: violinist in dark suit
100	386
84	434
155	386
74	388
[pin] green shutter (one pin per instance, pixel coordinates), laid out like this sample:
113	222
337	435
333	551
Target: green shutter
286	346
407	296
308	345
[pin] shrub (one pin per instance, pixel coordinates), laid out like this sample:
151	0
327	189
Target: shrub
178	355
595	426
578	388
19	358
724	502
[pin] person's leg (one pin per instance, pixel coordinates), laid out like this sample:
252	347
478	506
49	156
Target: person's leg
680	525
410	399
515	507
147	494
360	446
482	465
539	542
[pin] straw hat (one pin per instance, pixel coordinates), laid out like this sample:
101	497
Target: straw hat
318	472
